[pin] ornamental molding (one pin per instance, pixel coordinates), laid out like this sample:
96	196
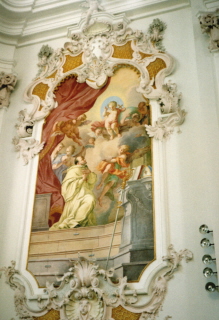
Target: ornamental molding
172	115
164	126
209	23
7	65
7	85
87	292
30	25
211	4
99	45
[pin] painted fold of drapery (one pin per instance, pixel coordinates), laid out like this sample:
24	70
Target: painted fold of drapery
73	100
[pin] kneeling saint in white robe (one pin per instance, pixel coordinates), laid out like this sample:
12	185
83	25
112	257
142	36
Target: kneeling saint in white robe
79	198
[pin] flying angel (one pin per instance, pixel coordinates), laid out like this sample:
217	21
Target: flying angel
117	169
70	128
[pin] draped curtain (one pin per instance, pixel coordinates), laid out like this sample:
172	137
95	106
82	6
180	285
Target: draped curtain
73	100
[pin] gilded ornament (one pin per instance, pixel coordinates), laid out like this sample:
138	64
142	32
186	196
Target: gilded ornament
72	62
123	52
120	313
144	55
51	315
154	67
53	75
41	90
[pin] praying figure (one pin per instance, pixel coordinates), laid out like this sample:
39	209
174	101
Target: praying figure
78	195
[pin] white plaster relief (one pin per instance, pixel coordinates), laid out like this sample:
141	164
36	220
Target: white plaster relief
49	61
87	292
27	148
173	115
7	65
93	7
30	22
209	23
169	99
211	4
95	40
7	85
164	126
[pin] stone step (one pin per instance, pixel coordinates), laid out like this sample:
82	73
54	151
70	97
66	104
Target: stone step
68	243
75	233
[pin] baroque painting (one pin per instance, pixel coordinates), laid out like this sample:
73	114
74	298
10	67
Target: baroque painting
96	143
89	208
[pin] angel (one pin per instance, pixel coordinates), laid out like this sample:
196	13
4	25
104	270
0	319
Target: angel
27	148
132	121
62	161
111	115
144	110
116	169
70	128
98	130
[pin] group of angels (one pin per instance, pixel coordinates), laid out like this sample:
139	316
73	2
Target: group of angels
112	170
117	119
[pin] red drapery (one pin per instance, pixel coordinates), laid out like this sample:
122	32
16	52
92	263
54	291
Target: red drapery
73	100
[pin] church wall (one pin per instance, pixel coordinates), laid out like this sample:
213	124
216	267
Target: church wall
190	161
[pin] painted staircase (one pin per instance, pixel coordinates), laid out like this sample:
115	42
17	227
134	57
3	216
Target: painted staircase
50	252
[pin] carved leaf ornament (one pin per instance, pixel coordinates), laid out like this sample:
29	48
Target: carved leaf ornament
98	47
7	85
209	23
87	292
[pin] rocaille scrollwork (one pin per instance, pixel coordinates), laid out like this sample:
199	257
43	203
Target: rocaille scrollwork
93	54
87	292
7	85
209	24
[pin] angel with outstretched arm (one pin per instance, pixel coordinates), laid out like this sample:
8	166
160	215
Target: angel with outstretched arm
117	168
111	116
70	128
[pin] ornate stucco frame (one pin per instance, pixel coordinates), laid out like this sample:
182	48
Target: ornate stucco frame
97	47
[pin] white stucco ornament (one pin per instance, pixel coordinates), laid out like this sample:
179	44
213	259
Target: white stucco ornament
86	292
7	85
93	6
172	115
27	148
209	23
170	98
99	45
164	126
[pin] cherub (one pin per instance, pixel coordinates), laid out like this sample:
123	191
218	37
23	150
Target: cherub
70	128
111	115
98	130
133	120
117	168
144	110
91	143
